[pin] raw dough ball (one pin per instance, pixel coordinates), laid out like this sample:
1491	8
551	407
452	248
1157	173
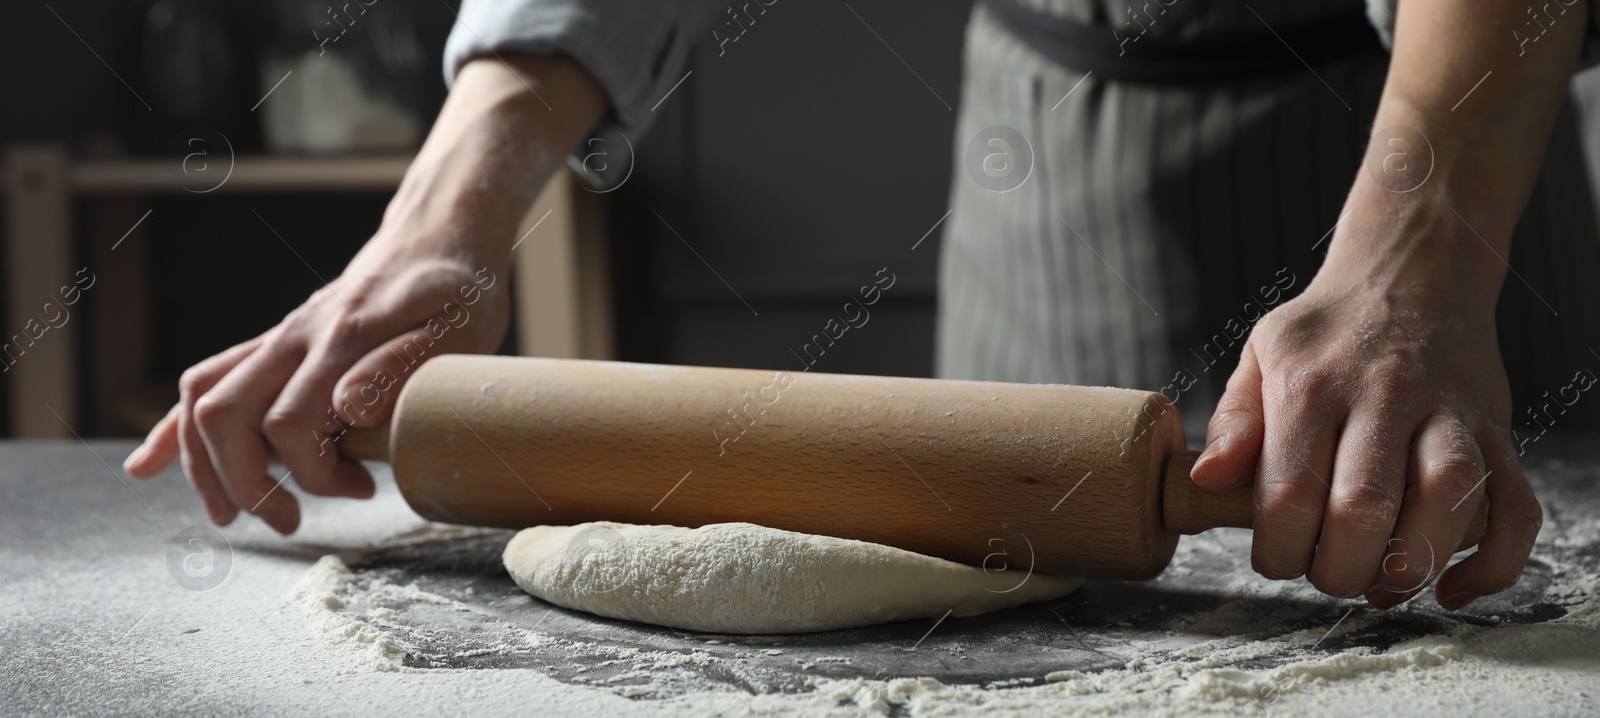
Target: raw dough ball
743	578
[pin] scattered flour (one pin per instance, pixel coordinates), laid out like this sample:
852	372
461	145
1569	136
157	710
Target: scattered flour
1521	670
329	601
1550	668
344	613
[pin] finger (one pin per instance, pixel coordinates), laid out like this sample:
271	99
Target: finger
300	422
1233	438
160	447
1514	521
367	393
1302	422
1445	484
1369	480
196	461
229	418
202	476
353	480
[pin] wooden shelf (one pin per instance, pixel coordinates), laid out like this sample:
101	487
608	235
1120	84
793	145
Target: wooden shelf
561	288
248	174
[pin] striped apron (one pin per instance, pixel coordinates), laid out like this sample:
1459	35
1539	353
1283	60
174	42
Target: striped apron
1119	233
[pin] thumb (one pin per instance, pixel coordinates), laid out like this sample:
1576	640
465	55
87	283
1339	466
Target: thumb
1233	438
365	396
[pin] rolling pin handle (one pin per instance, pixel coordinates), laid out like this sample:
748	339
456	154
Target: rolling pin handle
365	444
1188	509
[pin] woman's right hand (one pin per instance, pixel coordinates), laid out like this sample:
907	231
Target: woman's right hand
338	360
431	281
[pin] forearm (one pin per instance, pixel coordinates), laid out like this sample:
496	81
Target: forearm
344	355
1484	100
502	133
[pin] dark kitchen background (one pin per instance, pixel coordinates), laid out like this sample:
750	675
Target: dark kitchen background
796	163
794	202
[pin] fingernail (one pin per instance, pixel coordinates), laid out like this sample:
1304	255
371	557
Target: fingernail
283	524
1384	599
353	481
1212	449
362	412
1458	600
136	456
214	509
360	490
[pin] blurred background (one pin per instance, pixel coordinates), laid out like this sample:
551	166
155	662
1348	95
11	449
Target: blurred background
179	174
192	170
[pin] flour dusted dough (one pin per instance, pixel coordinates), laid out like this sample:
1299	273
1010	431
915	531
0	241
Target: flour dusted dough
743	578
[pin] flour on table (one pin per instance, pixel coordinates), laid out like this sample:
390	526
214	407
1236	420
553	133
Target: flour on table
744	578
324	593
1215	661
355	614
1550	668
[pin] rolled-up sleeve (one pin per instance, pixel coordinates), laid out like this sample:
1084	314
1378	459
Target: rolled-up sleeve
636	49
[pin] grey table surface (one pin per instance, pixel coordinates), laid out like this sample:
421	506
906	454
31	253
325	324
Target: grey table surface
100	616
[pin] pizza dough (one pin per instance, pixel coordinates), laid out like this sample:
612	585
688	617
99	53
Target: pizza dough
743	578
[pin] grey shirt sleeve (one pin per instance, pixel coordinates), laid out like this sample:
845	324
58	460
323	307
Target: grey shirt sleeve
1381	13
636	49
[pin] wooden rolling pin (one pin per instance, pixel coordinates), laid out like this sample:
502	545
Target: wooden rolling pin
1056	479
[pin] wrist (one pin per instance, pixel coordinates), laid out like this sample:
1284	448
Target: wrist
1418	249
503	132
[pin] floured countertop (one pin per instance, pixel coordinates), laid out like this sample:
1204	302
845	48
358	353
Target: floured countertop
109	607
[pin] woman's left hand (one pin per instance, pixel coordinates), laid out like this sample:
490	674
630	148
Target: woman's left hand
1373	420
